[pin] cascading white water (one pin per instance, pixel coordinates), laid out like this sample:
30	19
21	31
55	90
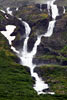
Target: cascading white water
27	57
54	9
9	11
64	10
40	7
3	11
9	30
17	9
48	7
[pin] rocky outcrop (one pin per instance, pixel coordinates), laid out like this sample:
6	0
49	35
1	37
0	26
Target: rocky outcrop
54	47
19	31
37	20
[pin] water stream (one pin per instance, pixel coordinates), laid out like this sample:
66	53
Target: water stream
64	10
27	57
40	7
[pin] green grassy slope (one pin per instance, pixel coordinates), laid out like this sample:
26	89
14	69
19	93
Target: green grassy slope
55	76
15	81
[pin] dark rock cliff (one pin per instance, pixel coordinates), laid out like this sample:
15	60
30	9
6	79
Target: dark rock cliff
39	20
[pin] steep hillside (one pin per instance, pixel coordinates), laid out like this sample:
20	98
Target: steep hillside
15	80
51	58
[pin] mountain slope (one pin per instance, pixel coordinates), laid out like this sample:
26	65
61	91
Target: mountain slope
16	82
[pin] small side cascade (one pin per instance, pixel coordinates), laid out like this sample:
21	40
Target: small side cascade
9	30
48	7
40	7
2	11
17	9
9	11
64	10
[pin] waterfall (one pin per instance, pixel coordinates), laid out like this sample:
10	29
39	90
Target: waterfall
9	30
9	11
48	7
27	57
17	9
26	60
3	11
64	10
54	9
40	7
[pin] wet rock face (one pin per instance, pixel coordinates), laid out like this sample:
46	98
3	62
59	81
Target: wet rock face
40	28
50	46
19	31
39	21
61	10
54	45
43	6
61	2
32	14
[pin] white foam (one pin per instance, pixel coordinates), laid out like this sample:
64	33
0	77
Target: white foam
3	11
17	9
50	29
27	57
14	49
54	9
6	17
40	7
9	11
9	30
48	7
64	10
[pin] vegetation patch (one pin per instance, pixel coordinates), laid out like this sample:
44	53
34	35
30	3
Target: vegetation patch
55	76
